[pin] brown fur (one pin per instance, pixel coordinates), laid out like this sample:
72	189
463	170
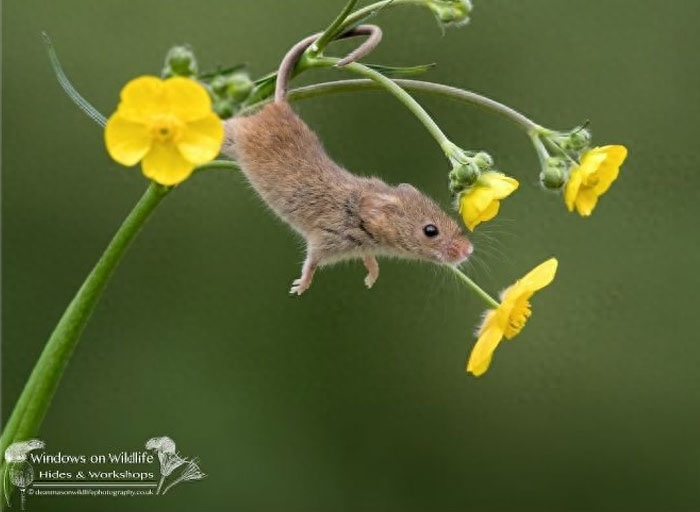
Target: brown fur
340	215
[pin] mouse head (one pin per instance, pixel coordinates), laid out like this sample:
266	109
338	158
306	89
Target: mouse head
410	224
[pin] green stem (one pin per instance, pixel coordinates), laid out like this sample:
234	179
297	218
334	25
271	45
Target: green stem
542	153
29	412
548	144
261	92
362	14
392	87
333	30
219	164
444	91
490	301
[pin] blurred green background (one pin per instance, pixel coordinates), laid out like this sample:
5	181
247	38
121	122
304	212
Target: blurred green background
347	399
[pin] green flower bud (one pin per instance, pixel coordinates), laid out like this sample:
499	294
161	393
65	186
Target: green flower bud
180	61
455	187
580	139
238	86
224	108
483	161
554	173
577	140
218	85
451	12
463	175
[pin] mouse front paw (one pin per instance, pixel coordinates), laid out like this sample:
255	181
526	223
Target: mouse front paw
299	286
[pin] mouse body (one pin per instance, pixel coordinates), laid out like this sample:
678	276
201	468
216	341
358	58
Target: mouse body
340	215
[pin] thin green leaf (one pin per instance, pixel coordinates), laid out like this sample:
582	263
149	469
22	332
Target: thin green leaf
401	71
363	15
67	86
264	86
270	77
222	71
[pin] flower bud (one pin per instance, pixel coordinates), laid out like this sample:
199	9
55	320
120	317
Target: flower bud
553	175
238	86
463	175
484	161
180	61
580	139
451	12
218	85
223	107
577	140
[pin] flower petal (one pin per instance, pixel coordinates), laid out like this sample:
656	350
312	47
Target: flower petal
489	213
592	159
188	99
586	201
165	165
127	141
540	276
472	204
573	185
480	357
202	139
610	168
616	153
487	322
501	185
141	98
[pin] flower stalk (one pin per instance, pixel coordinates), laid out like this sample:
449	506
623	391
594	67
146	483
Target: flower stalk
445	91
393	88
29	412
480	292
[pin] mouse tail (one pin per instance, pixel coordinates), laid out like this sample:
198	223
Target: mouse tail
290	60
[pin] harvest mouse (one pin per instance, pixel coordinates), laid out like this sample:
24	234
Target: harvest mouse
341	216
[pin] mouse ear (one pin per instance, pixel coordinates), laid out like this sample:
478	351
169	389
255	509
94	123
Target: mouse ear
375	206
408	187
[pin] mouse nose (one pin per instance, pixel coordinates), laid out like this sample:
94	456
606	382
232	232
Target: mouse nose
460	250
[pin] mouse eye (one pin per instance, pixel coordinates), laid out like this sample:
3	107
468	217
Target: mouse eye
431	230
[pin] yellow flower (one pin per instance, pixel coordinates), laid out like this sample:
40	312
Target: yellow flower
508	319
481	201
167	125
590	180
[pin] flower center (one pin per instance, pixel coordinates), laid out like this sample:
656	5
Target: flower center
518	318
591	180
166	128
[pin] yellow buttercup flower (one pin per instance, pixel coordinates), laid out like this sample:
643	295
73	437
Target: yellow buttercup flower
167	125
590	180
481	201
508	319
